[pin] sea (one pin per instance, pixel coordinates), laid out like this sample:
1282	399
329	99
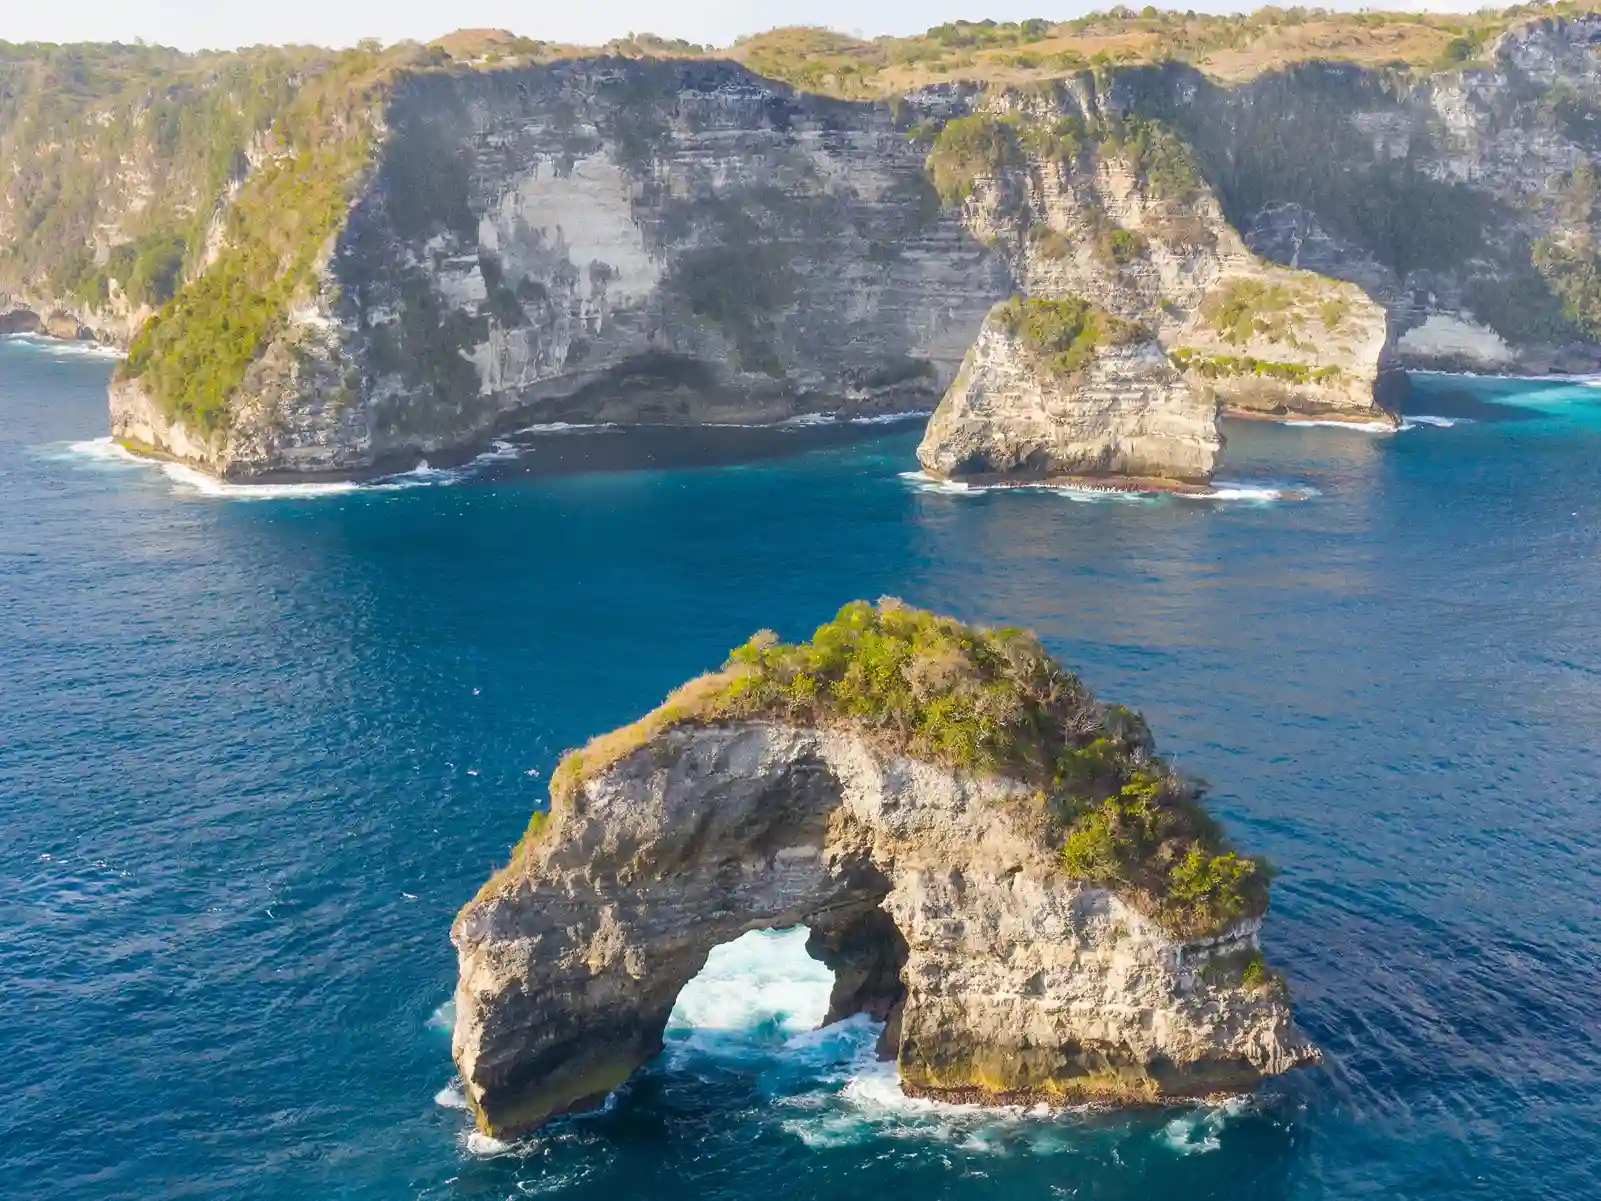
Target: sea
257	746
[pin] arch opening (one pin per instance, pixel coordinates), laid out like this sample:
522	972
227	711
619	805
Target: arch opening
767	986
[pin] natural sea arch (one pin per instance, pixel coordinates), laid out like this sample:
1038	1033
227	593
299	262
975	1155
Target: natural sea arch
936	897
727	844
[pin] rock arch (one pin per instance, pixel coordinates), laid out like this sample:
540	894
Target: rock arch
930	893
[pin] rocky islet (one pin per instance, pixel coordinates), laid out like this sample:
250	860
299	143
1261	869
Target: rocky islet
993	863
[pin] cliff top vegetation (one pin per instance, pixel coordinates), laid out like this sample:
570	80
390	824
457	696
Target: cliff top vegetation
986	702
1228	47
1244	309
1062	336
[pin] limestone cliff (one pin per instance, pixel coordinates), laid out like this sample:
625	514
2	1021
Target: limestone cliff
609	240
1460	199
942	895
335	262
1125	415
1096	201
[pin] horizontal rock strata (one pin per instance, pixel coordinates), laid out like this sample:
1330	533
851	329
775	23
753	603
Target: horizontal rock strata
1127	416
943	898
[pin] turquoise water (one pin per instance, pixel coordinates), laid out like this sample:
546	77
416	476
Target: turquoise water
255	751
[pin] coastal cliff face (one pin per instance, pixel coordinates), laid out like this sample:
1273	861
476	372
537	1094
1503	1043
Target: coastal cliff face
1127	415
993	863
1096	201
683	240
1460	200
1009	981
614	241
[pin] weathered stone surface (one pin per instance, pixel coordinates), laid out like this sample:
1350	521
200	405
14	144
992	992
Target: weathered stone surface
1428	195
609	239
612	240
930	892
1052	217
1128	415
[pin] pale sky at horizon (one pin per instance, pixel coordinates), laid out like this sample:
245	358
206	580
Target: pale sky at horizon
196	24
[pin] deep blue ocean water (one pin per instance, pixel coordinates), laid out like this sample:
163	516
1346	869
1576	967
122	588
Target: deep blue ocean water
255	752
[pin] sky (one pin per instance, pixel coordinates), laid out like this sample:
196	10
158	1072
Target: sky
223	24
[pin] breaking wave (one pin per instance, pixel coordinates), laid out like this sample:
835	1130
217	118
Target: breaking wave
1221	490
812	419
1363	427
1263	492
567	427
105	451
63	349
754	994
1079	493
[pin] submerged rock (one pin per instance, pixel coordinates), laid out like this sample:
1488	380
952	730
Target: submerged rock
943	844
1124	414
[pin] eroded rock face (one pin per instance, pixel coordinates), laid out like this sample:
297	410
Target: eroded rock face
613	240
1128	416
1319	344
933	896
1430	196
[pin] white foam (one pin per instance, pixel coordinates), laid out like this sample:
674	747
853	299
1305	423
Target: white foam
862	1100
1078	493
100	451
1584	379
1361	427
500	452
924	482
802	420
1445	423
189	482
758	990
201	484
1198	1132
450	1097
482	1145
65	349
890	418
1259	493
1221	490
567	427
444	1017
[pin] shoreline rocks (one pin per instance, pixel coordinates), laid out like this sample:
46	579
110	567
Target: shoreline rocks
1126	414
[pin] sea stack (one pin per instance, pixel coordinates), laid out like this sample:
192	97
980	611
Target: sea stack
1062	390
990	859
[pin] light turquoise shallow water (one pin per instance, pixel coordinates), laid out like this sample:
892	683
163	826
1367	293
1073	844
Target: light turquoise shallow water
254	753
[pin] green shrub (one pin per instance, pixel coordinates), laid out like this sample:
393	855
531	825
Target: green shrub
1222	366
985	702
1574	275
193	354
1255	973
152	277
1250	308
1061	139
1062	336
1123	246
1159	158
968	149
